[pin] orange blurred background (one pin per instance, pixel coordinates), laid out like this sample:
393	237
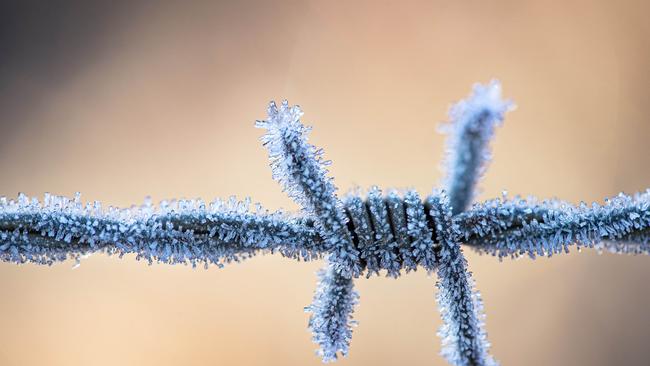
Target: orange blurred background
120	100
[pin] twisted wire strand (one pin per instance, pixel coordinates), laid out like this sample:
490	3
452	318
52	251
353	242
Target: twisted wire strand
191	232
185	231
621	225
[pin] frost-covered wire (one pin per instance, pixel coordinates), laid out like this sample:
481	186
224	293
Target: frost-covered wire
183	231
470	129
300	168
376	233
58	228
423	249
331	314
513	228
464	342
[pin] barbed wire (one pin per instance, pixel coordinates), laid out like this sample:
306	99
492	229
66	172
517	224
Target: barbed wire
392	232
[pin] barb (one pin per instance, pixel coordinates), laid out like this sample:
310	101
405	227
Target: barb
378	233
331	314
470	130
299	167
463	336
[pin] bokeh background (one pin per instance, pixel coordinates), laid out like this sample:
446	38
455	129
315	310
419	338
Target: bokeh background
124	99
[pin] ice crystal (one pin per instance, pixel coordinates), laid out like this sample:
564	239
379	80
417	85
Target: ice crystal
377	233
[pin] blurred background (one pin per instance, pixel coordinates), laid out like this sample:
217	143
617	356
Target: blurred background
124	99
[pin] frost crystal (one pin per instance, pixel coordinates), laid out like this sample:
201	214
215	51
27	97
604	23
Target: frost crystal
380	233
